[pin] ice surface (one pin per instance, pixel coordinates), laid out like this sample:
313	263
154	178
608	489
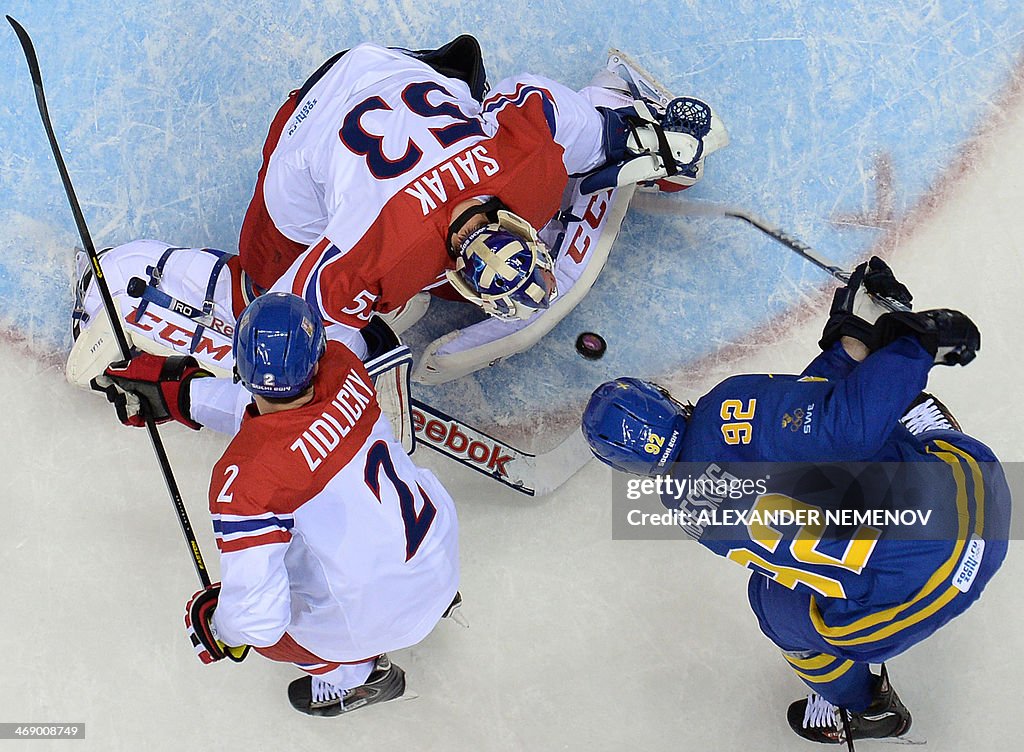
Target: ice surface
576	641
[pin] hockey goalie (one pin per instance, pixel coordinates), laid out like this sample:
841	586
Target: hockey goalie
374	197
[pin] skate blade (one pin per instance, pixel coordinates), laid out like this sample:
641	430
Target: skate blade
631	71
918	741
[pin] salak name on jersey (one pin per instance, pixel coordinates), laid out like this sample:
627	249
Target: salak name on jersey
324	434
468	164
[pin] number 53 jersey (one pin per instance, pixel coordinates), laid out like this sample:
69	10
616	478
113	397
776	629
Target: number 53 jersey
353	205
329	535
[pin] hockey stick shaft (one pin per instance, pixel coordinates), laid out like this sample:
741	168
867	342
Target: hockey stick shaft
792	243
108	302
805	251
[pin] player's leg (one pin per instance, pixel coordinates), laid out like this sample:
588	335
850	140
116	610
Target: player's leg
846	697
331	688
782	615
347	687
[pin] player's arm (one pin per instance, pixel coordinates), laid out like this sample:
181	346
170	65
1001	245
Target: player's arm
849	334
249	608
330	280
252	533
570	119
255	604
783	419
855	415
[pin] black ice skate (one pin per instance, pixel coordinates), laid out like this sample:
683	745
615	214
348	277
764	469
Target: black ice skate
818	720
926	413
312	696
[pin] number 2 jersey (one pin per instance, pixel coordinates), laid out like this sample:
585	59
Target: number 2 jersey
330	537
353	203
875	590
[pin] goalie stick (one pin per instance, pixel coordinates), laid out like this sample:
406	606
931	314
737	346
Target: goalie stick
530	474
108	303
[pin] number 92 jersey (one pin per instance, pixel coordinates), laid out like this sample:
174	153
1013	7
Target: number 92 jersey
890	533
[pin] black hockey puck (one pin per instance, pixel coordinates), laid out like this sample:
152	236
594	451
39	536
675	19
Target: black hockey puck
136	287
590	345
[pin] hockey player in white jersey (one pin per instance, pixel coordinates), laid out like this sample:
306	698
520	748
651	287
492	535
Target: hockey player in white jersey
459	208
334	547
385	174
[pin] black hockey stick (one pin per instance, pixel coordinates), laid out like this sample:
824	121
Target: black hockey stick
780	236
805	251
108	302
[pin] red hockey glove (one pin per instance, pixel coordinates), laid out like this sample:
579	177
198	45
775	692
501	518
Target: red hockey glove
198	623
151	386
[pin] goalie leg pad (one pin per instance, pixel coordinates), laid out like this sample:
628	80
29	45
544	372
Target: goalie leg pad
403	318
95	348
389	363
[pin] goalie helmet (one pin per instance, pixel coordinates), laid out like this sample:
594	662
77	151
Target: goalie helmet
278	342
634	426
504	268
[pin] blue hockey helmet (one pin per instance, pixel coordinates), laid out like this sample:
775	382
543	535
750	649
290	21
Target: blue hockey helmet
634	426
278	341
505	269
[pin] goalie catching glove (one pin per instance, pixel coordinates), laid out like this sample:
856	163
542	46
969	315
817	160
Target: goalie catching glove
644	145
151	386
856	307
199	624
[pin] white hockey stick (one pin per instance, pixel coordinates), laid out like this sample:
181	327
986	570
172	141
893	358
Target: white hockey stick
530	474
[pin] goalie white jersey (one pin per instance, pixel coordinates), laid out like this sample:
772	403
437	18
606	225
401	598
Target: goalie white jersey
365	170
334	545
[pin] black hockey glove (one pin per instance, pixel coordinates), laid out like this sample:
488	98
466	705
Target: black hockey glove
198	616
151	386
855	307
949	336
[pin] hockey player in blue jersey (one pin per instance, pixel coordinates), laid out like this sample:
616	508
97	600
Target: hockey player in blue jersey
836	601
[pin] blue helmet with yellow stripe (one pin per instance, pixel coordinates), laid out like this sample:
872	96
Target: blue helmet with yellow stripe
634	426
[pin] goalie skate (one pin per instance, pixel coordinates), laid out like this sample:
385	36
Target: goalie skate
639	83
